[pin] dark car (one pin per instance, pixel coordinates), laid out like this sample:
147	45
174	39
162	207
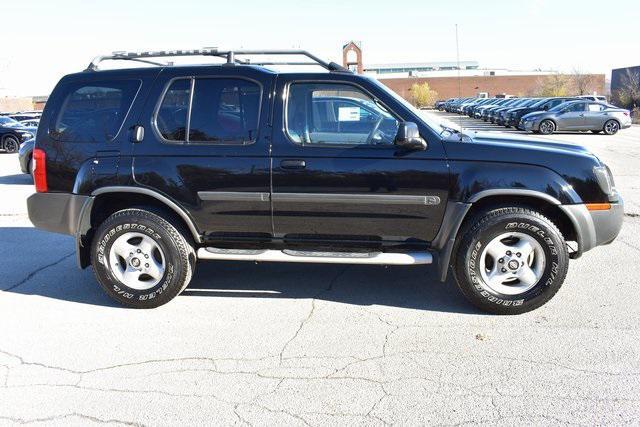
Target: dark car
155	168
501	114
12	134
515	114
25	155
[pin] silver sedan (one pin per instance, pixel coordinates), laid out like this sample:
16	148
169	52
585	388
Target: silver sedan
578	116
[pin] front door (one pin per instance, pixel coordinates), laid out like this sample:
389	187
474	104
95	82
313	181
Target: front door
337	175
572	118
203	148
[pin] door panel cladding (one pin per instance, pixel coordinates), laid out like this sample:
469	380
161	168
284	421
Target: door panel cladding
357	199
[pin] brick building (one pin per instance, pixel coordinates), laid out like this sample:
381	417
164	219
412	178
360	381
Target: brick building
450	87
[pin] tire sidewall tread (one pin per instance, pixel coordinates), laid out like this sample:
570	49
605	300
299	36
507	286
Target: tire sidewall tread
480	230
176	249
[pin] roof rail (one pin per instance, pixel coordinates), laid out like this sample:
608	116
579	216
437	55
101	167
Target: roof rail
231	57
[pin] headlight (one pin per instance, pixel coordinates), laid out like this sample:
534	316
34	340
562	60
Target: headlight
605	179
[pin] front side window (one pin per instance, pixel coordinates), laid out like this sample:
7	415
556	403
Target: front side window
337	114
94	112
220	111
574	108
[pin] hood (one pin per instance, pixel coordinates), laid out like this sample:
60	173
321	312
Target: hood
527	144
535	114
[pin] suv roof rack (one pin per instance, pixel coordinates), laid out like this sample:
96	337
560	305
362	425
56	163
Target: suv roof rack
231	57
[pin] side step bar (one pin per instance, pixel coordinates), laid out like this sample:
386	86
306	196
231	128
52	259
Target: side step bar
271	255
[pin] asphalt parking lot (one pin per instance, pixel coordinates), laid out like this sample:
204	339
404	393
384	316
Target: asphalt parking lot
317	344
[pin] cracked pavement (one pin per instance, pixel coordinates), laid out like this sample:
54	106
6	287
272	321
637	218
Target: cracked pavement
296	344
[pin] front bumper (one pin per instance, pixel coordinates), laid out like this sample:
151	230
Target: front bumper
595	228
529	125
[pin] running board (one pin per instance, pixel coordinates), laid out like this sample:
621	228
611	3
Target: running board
287	255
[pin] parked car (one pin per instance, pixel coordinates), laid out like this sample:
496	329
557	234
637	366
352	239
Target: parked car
491	112
485	111
24	116
515	114
439	105
12	134
500	113
30	123
596	98
153	169
25	155
578	116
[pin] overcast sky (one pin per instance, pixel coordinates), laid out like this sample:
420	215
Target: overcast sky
44	39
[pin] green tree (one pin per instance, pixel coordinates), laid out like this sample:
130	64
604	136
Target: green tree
422	95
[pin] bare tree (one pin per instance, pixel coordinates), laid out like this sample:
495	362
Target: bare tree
552	85
628	95
581	83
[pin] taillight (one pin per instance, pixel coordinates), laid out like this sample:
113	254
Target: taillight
39	159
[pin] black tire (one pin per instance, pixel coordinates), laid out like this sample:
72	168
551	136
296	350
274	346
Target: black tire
179	257
487	226
547	127
11	144
611	127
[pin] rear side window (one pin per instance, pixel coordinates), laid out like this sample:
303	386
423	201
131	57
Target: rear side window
220	111
94	112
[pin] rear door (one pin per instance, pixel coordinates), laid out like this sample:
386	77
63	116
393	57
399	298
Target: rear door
204	147
338	178
595	116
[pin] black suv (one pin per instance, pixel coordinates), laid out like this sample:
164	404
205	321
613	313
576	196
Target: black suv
154	168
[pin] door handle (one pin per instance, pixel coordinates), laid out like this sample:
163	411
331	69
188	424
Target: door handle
293	164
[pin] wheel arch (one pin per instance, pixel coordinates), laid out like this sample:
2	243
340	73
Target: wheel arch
107	200
547	205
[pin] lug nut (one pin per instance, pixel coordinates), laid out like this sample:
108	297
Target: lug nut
138	251
146	256
508	253
504	270
501	260
518	254
146	265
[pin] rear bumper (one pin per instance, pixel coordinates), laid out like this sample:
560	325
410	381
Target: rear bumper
56	212
595	228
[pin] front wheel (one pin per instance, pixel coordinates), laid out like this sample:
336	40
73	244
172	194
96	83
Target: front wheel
611	127
510	260
11	144
547	127
140	259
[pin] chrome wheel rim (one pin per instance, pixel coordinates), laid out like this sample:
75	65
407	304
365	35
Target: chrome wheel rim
546	127
611	127
137	261
512	264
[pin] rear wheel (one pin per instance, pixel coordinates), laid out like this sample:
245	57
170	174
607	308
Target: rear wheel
11	144
140	259
547	127
510	260
611	127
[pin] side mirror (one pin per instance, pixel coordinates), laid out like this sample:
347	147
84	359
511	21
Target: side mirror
408	137
545	108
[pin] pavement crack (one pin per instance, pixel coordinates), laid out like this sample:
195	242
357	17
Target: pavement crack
304	321
36	271
65	416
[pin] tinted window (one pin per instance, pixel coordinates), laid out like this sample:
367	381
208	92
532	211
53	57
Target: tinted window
224	110
94	112
597	107
578	106
172	115
330	114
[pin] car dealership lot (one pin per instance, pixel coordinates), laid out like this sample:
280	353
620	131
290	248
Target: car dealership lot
318	344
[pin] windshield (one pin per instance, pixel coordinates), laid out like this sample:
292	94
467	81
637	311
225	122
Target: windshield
539	103
8	121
